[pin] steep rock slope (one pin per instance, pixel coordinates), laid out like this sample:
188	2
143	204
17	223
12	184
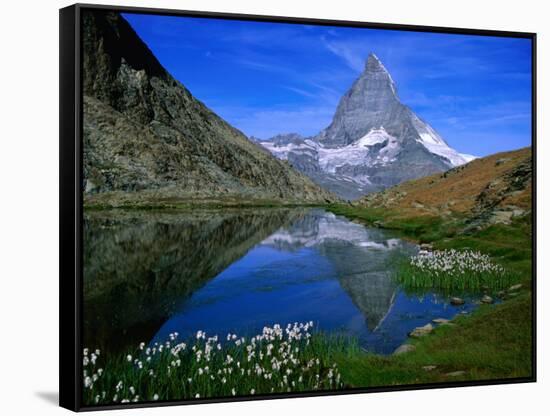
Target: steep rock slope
147	139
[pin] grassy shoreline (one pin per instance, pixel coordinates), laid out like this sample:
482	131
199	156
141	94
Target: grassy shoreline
102	202
493	342
278	360
194	205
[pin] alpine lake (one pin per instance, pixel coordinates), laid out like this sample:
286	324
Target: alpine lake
148	274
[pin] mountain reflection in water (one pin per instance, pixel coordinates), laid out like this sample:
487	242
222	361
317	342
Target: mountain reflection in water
220	271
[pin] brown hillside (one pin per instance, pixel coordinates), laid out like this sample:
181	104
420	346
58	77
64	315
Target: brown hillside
493	189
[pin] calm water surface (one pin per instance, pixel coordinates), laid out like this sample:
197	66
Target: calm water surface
147	275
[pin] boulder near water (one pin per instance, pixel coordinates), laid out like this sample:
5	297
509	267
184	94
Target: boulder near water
421	331
402	349
487	299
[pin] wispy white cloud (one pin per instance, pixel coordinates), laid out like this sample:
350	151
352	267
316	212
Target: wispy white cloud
456	83
352	57
301	92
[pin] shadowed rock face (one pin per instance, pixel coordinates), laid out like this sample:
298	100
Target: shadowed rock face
147	138
370	103
139	266
373	142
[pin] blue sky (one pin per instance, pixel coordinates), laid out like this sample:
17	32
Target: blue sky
270	78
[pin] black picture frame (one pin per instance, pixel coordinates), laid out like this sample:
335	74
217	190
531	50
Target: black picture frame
71	200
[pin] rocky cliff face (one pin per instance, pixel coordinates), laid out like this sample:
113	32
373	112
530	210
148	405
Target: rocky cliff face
147	139
373	142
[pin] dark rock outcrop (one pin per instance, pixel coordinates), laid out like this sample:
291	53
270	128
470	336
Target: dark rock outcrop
146	138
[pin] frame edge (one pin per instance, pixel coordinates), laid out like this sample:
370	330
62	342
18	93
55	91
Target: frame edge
68	215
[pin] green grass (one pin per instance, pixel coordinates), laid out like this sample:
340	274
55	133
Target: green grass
493	343
508	244
296	362
422	229
186	204
468	273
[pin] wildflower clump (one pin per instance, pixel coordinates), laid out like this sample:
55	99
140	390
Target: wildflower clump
278	360
452	270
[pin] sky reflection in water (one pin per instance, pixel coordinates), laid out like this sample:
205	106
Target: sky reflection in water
320	268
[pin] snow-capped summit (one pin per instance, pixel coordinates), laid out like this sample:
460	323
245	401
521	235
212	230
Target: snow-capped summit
374	141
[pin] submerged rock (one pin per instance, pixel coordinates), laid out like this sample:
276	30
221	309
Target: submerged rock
457	301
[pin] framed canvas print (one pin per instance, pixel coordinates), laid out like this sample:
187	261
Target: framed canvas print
258	207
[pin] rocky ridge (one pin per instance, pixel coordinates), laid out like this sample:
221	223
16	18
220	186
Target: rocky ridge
147	139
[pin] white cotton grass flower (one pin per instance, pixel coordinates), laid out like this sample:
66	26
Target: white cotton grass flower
455	261
456	268
277	359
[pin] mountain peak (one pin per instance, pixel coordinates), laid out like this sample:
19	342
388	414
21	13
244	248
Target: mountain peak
375	65
373	142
